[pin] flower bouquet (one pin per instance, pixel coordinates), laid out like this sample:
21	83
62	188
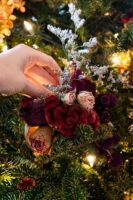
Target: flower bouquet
79	112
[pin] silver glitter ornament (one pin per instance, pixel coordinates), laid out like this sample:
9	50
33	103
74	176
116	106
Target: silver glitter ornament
130	129
130	113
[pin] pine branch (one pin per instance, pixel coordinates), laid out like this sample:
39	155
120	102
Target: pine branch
72	186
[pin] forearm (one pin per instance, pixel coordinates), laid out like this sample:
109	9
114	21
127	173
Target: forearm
6	74
2	74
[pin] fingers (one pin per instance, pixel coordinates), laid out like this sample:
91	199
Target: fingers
45	61
41	76
35	90
33	57
49	64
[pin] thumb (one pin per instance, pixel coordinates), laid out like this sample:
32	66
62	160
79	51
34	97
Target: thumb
35	90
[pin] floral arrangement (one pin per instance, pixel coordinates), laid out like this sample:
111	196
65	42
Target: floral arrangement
86	96
6	15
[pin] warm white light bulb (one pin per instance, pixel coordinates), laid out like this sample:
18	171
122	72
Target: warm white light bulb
116	35
5	47
107	14
28	26
91	159
35	46
116	60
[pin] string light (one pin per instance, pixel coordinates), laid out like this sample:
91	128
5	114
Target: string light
115	60
34	19
121	59
107	14
91	159
116	35
127	195
5	47
35	46
28	27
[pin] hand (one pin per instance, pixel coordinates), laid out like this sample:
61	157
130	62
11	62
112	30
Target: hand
25	70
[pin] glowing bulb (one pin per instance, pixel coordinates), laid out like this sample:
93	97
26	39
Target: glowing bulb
28	26
107	14
121	59
91	159
5	47
35	46
116	35
116	60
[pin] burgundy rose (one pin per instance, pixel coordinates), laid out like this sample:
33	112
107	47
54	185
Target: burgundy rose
26	184
93	119
109	142
55	114
106	101
105	148
53	110
51	102
115	160
83	85
105	116
76	74
59	112
113	100
32	111
62	117
81	115
76	115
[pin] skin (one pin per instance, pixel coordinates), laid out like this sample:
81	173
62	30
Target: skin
24	70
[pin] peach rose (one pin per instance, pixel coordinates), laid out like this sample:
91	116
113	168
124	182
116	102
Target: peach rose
39	139
69	97
86	100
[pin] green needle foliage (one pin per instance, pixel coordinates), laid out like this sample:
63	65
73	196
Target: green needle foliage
65	174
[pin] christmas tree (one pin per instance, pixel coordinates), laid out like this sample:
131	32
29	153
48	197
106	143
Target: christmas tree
87	152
